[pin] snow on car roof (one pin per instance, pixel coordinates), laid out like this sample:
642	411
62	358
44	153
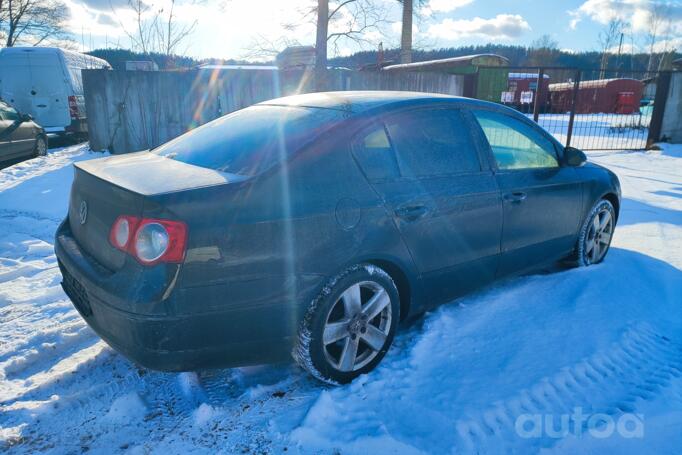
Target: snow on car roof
357	101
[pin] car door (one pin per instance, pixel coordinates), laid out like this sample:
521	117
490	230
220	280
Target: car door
7	127
445	202
541	198
20	135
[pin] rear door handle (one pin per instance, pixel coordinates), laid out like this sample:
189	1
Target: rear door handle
516	196
411	212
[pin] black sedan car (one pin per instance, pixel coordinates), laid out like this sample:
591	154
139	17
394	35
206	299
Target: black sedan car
311	225
20	136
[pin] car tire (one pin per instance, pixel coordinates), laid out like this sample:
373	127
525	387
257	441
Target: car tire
40	148
596	234
349	326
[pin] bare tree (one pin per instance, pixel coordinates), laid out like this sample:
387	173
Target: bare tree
263	47
657	18
32	21
141	36
668	50
543	51
157	29
343	21
608	38
169	33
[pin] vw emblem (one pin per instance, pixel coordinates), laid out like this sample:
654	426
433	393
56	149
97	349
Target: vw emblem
83	212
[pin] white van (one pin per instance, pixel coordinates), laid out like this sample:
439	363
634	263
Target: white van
46	82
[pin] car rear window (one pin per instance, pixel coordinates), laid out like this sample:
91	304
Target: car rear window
249	141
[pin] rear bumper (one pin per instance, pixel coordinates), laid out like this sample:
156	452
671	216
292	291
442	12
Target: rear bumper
77	126
235	335
54	129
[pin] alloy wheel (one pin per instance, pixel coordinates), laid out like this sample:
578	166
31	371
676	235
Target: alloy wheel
598	236
357	326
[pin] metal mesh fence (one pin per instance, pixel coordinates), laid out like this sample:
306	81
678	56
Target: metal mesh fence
588	109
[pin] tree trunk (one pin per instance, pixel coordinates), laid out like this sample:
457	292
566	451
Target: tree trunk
406	34
321	45
603	64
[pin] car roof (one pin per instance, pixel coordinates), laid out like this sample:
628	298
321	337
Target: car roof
375	101
356	102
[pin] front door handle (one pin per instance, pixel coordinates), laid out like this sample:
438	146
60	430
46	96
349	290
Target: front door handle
515	197
411	212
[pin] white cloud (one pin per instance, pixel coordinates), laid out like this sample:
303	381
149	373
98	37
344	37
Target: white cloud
666	45
626	48
445	6
501	27
637	13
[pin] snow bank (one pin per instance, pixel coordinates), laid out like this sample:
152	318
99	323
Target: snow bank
605	340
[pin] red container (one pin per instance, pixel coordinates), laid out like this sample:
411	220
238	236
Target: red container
608	96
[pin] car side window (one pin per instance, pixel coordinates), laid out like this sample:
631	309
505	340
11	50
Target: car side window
8	113
432	142
516	145
374	154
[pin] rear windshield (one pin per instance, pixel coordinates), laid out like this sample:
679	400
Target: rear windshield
250	140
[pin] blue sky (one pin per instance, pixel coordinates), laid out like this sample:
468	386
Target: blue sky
234	28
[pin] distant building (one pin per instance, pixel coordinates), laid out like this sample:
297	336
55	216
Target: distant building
296	57
485	75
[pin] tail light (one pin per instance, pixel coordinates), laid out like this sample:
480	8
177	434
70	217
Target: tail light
73	108
150	241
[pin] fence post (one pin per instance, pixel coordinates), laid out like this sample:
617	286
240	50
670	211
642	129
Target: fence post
662	88
574	102
538	92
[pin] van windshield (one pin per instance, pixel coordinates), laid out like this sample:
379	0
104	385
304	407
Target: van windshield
251	140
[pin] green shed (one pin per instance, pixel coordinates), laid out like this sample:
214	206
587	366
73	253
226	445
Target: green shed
485	75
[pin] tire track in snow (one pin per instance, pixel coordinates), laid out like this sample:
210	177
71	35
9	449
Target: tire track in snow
609	382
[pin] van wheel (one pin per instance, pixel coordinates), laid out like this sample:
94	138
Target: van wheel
349	326
40	149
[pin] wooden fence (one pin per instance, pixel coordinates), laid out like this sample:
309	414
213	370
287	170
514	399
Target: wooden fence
135	110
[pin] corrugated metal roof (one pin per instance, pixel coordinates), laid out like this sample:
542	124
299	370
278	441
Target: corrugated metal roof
588	84
454	62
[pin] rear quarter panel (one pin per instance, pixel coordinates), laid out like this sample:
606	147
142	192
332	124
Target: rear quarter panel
280	236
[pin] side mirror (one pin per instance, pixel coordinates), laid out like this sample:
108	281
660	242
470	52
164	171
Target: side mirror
25	118
574	157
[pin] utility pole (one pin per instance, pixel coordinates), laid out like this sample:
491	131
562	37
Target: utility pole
406	34
321	45
620	48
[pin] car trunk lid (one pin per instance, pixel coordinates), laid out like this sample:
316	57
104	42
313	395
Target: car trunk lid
105	188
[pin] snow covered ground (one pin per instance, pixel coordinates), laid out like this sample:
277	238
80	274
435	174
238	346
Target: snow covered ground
495	372
598	131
